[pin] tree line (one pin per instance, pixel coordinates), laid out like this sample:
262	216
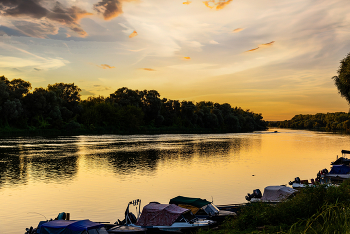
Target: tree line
59	106
338	121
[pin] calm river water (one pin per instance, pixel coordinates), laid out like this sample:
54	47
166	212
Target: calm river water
95	177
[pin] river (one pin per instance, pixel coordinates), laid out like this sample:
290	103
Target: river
94	177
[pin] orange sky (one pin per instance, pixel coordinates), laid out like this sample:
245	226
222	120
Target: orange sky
272	57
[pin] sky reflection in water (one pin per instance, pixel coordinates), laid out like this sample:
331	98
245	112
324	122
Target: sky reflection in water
95	176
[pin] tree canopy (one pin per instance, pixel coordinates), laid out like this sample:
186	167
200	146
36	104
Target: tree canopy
59	106
342	81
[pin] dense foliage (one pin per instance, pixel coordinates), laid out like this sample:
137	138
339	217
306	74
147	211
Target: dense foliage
60	107
315	209
342	81
339	121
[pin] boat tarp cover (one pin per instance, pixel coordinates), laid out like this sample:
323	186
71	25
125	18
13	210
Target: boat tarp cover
339	169
197	202
155	214
277	193
69	227
345	152
193	209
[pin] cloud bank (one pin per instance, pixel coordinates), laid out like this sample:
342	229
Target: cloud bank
109	8
38	18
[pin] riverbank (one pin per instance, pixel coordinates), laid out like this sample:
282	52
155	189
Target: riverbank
10	131
318	209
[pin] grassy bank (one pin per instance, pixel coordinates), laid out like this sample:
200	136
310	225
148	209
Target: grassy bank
317	209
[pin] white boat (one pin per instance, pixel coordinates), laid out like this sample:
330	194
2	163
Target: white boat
299	184
272	194
165	218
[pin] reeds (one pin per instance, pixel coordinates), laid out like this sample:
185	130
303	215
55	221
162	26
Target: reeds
333	218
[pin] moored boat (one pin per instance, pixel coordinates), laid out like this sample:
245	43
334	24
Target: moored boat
272	194
299	184
202	208
340	170
165	218
69	227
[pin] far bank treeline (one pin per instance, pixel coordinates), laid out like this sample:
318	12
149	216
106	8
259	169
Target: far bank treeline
338	121
59	107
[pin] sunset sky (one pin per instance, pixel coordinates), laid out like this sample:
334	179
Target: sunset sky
274	57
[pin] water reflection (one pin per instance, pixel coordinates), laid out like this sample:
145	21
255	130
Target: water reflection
47	160
13	170
55	169
56	160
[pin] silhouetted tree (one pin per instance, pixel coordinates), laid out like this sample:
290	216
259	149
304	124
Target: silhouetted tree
342	81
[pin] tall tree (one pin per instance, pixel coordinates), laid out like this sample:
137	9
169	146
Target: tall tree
67	92
342	81
69	98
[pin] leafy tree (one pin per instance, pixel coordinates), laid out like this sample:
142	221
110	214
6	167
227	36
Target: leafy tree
342	81
68	93
151	105
125	97
69	98
12	109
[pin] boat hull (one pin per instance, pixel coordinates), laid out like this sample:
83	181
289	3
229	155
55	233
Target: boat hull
179	227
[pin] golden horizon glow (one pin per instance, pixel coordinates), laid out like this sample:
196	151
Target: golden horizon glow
273	58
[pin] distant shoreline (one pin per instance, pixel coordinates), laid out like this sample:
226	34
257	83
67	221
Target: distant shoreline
74	132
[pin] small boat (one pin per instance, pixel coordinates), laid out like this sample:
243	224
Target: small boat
298	184
70	227
338	172
272	194
340	169
164	218
63	225
202	208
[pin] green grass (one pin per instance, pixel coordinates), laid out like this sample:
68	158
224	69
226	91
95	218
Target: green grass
318	209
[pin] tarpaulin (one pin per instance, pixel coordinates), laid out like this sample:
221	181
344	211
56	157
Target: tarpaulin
155	214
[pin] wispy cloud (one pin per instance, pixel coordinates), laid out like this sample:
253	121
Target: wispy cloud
86	92
148	69
213	42
238	30
16	62
268	44
187	2
217	5
187	58
133	34
105	66
261	46
253	49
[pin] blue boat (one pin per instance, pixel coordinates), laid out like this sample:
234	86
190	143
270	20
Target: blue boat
70	227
